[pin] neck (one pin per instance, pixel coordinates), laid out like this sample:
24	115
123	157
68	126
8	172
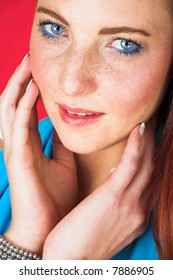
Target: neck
94	168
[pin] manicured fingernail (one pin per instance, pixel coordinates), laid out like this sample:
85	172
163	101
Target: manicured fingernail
142	129
25	58
112	170
1	137
29	84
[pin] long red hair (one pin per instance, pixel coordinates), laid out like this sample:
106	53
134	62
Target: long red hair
163	192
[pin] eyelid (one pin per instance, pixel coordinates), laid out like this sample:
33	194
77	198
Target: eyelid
50	21
120	51
126	39
45	22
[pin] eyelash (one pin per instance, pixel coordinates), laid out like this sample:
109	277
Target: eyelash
115	51
42	29
138	47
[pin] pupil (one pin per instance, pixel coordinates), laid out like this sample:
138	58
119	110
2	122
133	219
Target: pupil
56	29
127	45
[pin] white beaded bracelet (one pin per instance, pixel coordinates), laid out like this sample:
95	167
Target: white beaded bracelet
10	252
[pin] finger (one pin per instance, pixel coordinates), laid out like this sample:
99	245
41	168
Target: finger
9	100
19	79
146	200
33	130
20	131
60	153
34	133
144	208
1	136
149	141
17	84
127	168
142	178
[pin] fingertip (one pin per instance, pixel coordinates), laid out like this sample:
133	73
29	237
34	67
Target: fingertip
134	134
142	129
31	95
134	144
137	131
25	58
29	85
112	170
1	136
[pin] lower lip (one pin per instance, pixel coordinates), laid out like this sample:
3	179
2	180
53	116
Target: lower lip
78	120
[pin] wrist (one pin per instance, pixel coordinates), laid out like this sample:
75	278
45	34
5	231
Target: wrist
9	251
26	240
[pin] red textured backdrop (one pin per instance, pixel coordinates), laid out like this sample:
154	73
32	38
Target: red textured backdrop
15	26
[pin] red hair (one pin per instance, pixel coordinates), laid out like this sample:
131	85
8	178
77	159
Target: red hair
163	192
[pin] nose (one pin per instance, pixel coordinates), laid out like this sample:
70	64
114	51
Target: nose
78	74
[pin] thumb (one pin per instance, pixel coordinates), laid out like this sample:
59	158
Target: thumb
120	178
61	153
56	143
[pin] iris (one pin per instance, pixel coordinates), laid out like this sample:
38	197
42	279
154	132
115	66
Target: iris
51	30
126	47
55	29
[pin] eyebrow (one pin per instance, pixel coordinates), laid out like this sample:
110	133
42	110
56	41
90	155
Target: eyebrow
124	29
53	15
103	31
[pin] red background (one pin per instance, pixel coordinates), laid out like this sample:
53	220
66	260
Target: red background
16	18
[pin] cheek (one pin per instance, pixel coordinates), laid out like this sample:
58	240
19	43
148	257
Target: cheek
136	93
45	75
44	67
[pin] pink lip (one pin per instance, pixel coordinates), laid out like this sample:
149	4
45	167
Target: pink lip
77	120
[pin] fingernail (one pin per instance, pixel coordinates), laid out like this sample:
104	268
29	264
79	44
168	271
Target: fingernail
29	84
142	129
25	58
112	170
1	137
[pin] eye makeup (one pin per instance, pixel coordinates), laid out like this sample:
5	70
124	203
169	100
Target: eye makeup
51	30
127	47
119	46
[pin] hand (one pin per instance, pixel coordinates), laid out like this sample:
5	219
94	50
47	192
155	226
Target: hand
1	144
114	214
43	190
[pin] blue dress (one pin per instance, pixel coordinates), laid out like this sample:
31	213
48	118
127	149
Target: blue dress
143	248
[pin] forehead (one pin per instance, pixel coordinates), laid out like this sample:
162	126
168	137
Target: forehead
111	10
130	5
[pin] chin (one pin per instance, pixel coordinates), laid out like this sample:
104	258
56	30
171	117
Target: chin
80	145
78	142
79	148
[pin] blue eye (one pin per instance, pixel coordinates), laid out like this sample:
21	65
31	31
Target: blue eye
51	30
126	47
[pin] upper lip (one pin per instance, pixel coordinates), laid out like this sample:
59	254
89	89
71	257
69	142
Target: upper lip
78	110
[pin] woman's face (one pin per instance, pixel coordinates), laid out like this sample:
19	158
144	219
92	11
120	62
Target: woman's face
101	66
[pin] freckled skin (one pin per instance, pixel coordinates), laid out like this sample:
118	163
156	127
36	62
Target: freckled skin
82	71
